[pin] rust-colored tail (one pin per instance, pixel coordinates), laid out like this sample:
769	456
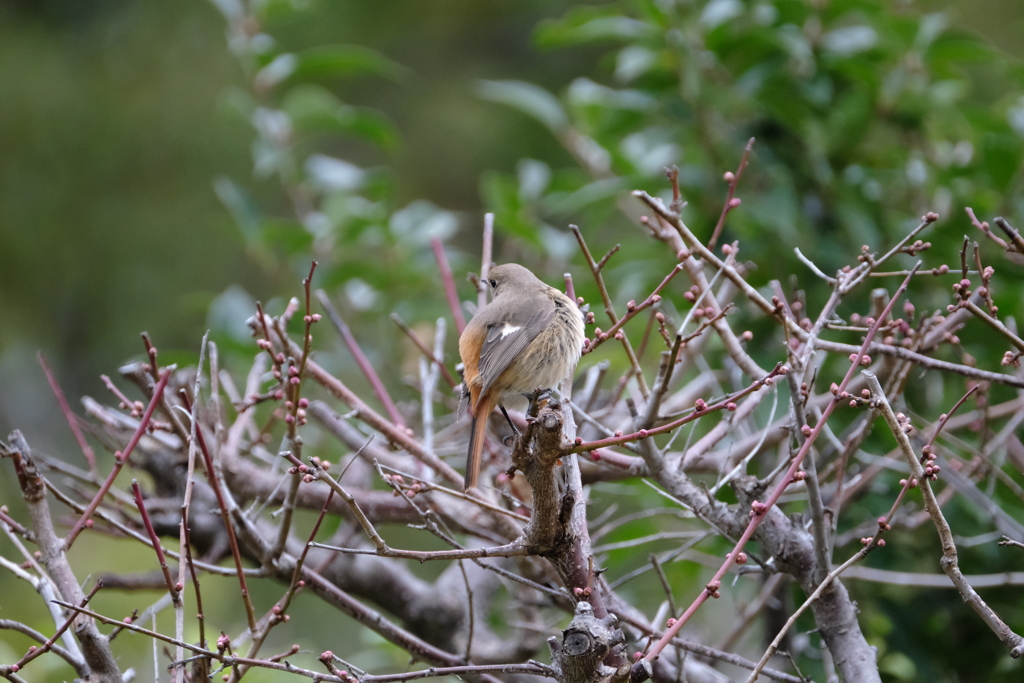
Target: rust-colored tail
477	433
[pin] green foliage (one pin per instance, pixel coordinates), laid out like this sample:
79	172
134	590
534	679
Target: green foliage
866	115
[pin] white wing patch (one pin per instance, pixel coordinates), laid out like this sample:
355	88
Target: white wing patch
507	329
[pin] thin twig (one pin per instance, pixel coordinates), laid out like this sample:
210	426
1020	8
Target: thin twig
610	310
87	451
161	558
949	562
449	284
729	205
485	261
1011	232
120	458
379	390
424	349
759	510
236	552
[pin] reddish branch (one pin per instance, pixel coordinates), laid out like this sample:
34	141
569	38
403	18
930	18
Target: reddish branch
379	390
72	419
449	284
173	590
730	199
120	458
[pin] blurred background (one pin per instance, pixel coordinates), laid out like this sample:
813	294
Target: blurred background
149	181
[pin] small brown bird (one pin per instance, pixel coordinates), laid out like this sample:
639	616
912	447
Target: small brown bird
529	336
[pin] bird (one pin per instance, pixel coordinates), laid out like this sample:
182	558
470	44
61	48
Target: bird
529	336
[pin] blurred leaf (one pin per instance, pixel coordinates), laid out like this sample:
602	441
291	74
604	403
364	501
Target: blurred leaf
228	313
314	109
501	195
333	175
241	207
634	61
584	91
418	222
330	61
564	204
850	40
718	12
279	69
953	48
587	25
534	177
898	665
291	236
528	98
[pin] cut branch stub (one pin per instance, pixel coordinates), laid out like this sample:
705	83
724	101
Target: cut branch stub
585	645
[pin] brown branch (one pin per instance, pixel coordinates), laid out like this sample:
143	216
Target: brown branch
530	668
707	409
983	226
949	562
49	643
1011	232
995	324
95	648
632	312
236	552
759	510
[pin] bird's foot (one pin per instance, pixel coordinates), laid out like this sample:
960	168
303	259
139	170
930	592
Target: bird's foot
536	399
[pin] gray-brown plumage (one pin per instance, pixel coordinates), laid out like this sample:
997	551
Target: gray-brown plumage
529	336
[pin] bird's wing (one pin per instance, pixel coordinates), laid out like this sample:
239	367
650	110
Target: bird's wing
507	339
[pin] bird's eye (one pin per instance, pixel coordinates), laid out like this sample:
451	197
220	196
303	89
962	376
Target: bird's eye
494	284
